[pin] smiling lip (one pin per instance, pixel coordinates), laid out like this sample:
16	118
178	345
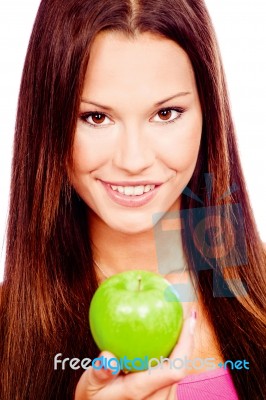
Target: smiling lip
131	183
131	201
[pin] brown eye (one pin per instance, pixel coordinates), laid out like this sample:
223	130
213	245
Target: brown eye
165	114
97	118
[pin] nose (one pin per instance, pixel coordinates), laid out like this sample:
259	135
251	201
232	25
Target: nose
133	152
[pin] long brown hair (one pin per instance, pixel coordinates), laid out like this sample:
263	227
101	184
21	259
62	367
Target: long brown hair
49	276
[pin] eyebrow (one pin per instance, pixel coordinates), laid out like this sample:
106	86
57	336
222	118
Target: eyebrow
159	103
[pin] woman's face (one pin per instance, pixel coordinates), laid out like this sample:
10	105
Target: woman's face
138	132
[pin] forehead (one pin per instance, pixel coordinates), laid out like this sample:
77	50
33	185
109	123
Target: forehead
147	65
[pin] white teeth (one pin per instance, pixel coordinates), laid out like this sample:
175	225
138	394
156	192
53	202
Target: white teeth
129	190
147	188
133	190
138	190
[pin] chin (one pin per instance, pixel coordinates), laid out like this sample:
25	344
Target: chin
131	227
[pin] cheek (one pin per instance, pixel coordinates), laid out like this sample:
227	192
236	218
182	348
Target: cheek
89	153
183	147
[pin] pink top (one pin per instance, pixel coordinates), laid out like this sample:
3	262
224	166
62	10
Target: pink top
215	384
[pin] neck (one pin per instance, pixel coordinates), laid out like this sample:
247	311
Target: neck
116	251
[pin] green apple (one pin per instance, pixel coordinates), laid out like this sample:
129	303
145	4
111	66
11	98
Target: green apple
136	314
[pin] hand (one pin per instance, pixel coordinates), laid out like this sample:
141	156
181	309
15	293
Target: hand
154	384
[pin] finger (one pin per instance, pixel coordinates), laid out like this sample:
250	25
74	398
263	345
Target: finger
93	380
186	339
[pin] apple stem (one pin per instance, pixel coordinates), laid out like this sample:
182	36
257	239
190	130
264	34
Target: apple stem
139	279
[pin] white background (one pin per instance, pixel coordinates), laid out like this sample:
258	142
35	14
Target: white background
241	31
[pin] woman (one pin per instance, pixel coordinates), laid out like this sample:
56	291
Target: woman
94	128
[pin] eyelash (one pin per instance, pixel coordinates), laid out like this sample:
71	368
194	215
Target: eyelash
86	115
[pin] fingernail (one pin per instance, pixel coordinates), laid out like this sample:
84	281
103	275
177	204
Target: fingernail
193	314
192	324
